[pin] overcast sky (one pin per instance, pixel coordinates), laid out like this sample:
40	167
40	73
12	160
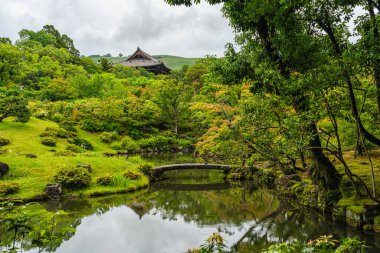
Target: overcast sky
119	26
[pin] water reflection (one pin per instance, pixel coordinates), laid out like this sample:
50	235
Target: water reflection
179	214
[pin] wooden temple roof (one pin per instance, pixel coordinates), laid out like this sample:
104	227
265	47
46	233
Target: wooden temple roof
144	60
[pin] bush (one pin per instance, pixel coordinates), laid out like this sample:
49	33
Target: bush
48	134
62	133
4	141
108	137
105	180
183	143
145	168
81	143
49	141
73	178
73	148
130	145
155	142
132	175
68	126
116	146
64	153
9	187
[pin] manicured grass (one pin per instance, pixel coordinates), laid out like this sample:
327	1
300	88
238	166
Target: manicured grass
33	174
173	62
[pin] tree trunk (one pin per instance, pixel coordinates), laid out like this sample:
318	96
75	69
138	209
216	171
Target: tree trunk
324	173
355	113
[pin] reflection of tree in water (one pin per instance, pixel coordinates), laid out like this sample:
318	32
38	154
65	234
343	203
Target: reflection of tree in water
233	206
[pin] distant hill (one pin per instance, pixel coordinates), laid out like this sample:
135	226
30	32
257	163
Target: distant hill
173	62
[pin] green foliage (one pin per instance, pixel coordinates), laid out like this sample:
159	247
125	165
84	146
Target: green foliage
128	144
132	175
9	187
13	104
105	180
73	148
49	141
4	141
323	244
108	137
146	168
73	178
155	143
215	243
81	143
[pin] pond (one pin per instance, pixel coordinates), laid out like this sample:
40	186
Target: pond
172	216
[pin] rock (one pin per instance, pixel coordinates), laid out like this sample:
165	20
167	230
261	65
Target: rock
354	216
86	166
370	212
4	168
53	190
30	156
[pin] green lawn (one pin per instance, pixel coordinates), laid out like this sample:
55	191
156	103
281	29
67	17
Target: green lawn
32	174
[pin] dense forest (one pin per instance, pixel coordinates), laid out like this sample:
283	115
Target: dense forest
296	97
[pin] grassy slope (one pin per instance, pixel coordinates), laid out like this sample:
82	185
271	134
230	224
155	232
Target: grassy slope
173	62
33	174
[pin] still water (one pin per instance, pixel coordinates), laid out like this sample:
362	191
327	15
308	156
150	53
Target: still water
175	215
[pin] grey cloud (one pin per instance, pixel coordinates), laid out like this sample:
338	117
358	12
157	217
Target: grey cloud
114	26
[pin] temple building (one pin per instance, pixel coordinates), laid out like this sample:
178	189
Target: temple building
140	59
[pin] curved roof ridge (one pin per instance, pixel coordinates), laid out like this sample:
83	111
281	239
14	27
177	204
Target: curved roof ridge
141	54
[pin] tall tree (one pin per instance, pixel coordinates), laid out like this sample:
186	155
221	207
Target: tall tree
270	33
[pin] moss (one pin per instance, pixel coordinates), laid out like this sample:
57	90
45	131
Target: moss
376	224
356	209
368	227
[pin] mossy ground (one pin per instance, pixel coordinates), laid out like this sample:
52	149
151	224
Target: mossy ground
33	174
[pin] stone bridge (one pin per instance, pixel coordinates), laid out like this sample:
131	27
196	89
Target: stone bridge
158	171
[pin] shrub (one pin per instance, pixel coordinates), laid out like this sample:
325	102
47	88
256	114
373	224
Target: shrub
130	145
62	133
9	187
116	146
64	153
183	143
105	180
73	178
108	137
48	134
145	168
73	148
132	175
49	141
4	141
81	143
156	142
68	125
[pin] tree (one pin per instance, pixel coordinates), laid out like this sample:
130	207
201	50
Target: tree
10	58
13	104
173	99
278	45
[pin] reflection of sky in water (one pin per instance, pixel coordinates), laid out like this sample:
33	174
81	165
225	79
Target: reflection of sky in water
121	230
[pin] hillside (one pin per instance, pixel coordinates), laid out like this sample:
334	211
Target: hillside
33	174
173	62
